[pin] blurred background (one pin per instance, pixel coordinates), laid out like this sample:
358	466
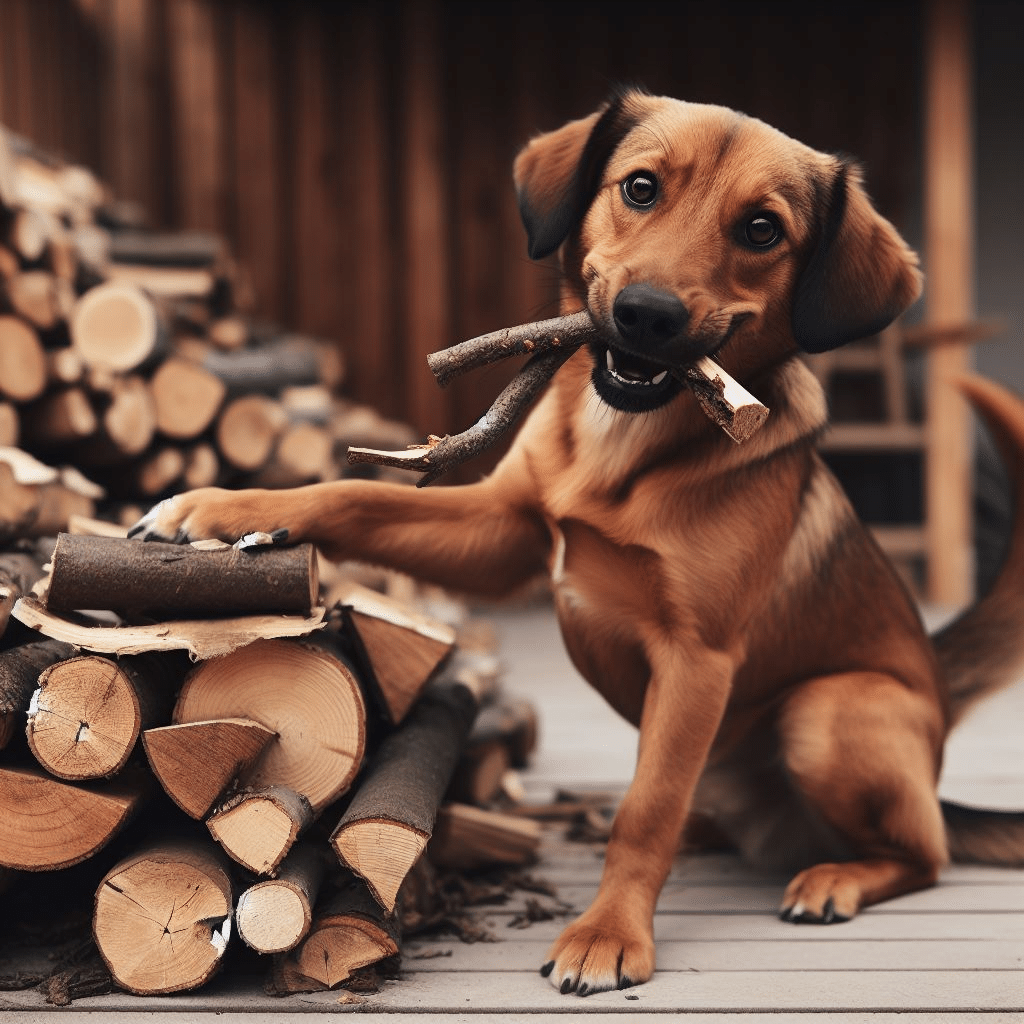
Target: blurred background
357	157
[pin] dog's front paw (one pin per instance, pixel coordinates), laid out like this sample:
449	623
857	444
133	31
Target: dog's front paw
209	513
598	953
824	894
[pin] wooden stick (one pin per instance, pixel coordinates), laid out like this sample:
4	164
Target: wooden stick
178	580
551	342
162	918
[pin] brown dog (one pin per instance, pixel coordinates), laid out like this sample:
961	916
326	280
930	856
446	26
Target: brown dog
723	598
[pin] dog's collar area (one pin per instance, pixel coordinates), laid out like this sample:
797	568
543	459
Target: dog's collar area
629	383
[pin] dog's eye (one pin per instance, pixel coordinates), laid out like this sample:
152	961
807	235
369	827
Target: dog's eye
762	230
640	189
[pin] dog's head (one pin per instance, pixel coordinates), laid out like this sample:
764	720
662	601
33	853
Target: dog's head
689	230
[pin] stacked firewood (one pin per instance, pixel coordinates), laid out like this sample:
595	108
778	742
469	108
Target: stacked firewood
251	747
132	355
324	746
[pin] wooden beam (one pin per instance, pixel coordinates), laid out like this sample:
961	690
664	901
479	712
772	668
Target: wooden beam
949	240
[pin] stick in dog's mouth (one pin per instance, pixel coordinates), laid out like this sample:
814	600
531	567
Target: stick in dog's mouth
549	343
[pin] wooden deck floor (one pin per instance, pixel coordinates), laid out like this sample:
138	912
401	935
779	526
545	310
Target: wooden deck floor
952	952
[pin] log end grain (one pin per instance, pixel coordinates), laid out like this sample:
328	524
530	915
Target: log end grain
381	852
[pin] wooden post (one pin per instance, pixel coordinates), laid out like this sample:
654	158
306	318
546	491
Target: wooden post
949	237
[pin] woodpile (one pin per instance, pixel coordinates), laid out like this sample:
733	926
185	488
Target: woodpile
214	746
134	356
279	793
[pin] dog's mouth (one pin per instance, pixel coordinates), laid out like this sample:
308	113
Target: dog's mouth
630	383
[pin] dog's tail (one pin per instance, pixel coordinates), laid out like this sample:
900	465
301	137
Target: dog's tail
977	836
983	650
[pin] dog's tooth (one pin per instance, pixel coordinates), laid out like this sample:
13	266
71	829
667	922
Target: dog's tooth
661	376
609	359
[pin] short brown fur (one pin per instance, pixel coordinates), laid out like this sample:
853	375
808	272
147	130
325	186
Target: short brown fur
723	598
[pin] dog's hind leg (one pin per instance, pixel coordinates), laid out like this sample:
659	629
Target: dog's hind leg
862	749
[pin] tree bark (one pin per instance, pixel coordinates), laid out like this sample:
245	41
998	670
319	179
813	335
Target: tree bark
257	828
50	824
391	816
306	693
19	676
162	918
197	761
88	711
175	580
273	916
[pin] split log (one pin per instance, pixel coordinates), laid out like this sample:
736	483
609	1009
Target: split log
391	816
179	579
201	638
162	918
248	429
196	762
40	298
402	647
17	574
10	425
19	675
88	711
116	326
257	828
186	398
274	916
303	690
22	360
349	932
469	837
50	824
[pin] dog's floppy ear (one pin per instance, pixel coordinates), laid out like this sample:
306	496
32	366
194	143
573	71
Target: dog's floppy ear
558	174
861	274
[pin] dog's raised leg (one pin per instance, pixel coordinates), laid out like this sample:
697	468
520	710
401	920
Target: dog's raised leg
863	750
612	944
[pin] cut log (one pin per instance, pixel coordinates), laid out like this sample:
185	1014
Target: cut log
19	676
469	837
164	282
349	931
179	579
87	713
22	360
257	828
196	762
202	467
401	646
40	298
50	824
10	425
37	500
157	473
162	918
28	234
269	367
304	454
391	817
167	249
9	263
186	398
202	638
60	418
510	721
273	916
480	773
17	574
306	693
64	366
248	429
130	420
229	333
115	326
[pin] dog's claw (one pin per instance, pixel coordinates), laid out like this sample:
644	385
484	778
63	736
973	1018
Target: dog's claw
547	968
566	986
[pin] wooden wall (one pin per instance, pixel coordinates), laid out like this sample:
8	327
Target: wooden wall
358	155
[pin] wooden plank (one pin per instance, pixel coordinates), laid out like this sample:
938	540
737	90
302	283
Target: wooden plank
949	239
197	115
428	319
515	953
256	171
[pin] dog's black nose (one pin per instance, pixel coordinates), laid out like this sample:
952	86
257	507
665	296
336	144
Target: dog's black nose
648	319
